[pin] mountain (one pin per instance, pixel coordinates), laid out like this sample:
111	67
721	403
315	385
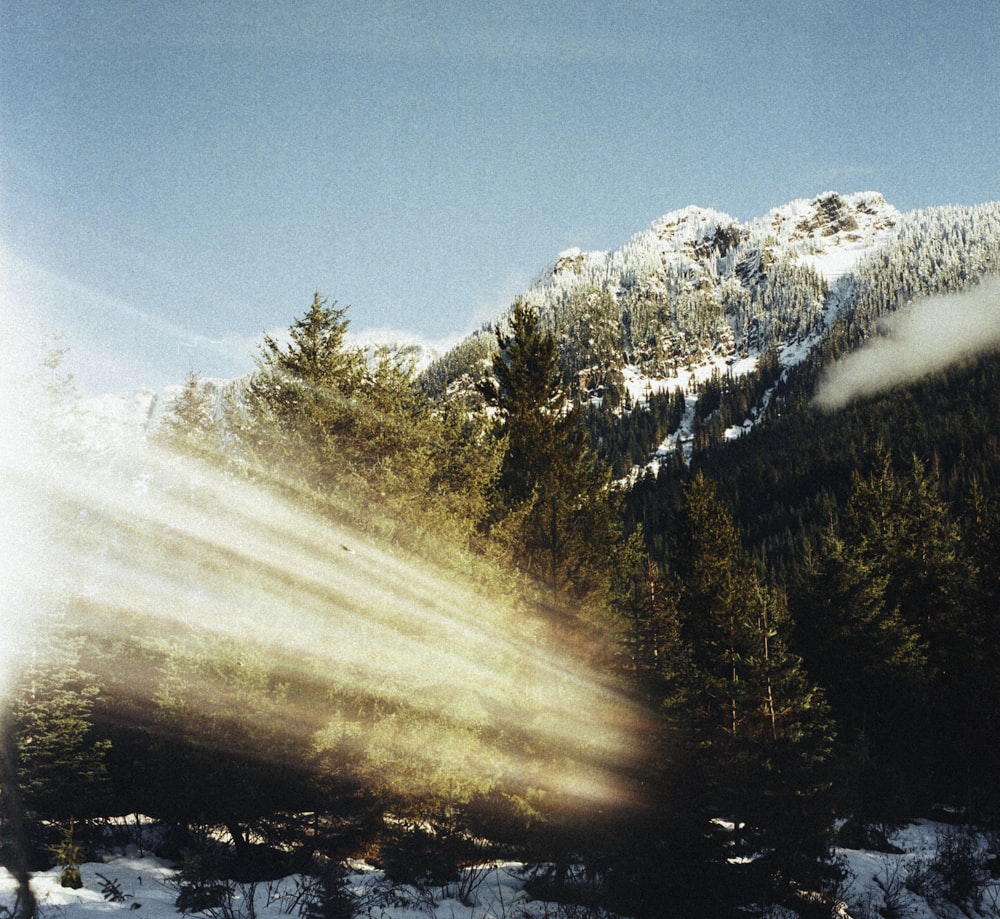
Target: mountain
681	337
700	299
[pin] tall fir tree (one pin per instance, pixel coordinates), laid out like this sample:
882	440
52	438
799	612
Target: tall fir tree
555	507
60	757
900	528
190	425
873	665
299	399
762	727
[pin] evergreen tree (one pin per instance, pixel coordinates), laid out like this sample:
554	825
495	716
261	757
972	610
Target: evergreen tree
975	729
343	426
61	762
316	354
224	750
299	400
648	610
874	667
16	856
762	726
528	393
555	508
190	425
900	529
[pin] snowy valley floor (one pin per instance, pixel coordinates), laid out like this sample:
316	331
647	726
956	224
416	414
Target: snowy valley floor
910	883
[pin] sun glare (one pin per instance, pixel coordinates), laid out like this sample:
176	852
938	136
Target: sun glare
167	552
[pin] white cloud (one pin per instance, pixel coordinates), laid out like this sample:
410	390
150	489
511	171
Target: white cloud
922	338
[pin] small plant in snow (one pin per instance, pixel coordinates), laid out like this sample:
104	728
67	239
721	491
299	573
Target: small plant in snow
956	873
329	897
70	855
893	882
470	880
111	890
201	890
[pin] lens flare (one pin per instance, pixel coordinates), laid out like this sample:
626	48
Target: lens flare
459	685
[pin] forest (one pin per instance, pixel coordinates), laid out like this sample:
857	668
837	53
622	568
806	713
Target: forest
799	625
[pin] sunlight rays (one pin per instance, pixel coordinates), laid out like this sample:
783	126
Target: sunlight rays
184	556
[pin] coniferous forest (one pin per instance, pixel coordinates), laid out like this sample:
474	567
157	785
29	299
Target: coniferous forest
797	628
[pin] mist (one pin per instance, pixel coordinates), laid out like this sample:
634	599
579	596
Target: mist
924	337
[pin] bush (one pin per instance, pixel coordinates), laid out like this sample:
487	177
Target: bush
421	855
199	885
955	874
329	897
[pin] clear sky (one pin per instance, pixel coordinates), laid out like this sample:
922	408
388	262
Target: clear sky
178	177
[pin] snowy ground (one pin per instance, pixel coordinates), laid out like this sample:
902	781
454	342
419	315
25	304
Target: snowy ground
146	884
916	882
877	884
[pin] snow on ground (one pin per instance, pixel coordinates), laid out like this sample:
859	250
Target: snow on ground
877	884
640	387
146	885
898	884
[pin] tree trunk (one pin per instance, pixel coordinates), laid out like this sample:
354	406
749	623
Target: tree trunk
25	907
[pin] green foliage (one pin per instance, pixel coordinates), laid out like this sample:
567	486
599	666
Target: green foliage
62	763
762	728
220	716
554	508
624	434
70	854
424	854
299	399
348	430
956	873
880	520
190	425
315	356
200	886
329	896
871	688
111	889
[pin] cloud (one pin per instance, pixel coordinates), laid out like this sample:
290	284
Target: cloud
424	349
922	338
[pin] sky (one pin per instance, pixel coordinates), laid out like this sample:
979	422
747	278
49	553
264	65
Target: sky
178	177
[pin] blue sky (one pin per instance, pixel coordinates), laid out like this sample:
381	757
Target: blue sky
178	177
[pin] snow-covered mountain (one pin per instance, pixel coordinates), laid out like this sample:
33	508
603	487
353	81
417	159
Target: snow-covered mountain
699	283
830	233
698	294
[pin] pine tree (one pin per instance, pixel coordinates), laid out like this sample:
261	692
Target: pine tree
648	609
874	666
316	354
554	505
298	402
975	729
15	819
190	425
762	726
528	393
899	528
704	560
61	762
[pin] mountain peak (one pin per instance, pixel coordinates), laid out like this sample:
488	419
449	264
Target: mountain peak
830	233
831	213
